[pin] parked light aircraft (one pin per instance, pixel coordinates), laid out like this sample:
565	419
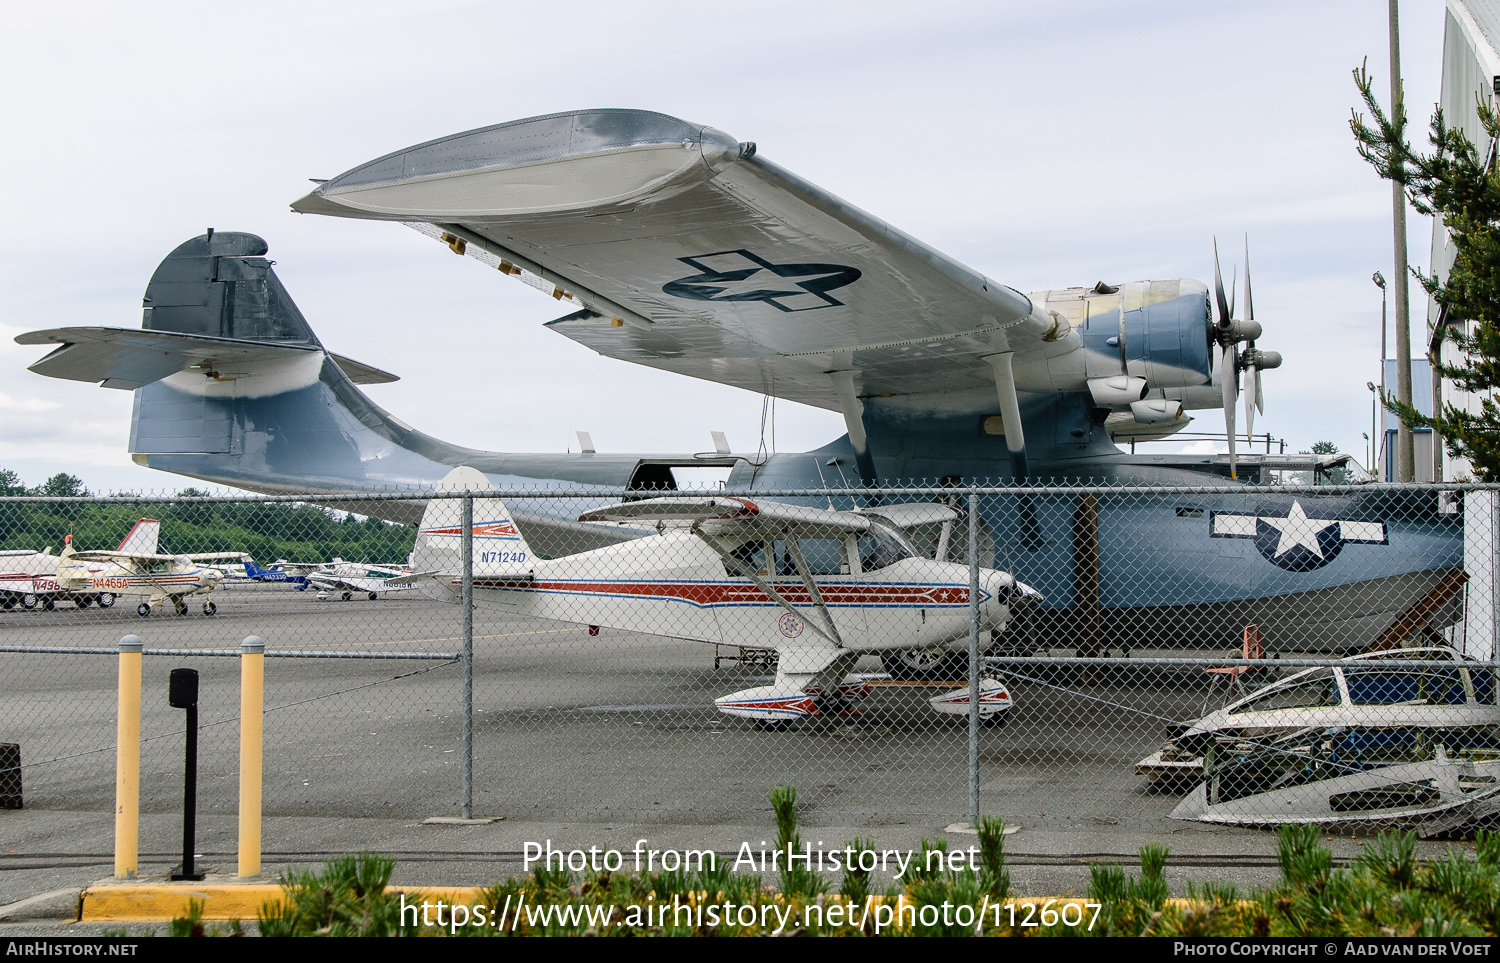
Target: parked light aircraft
348	578
276	573
683	249
31	578
26	579
137	569
821	587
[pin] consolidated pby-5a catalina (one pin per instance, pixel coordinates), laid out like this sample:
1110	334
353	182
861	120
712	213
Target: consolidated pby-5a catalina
684	249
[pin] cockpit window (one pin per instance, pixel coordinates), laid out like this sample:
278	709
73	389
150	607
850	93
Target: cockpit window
926	538
882	546
824	556
752	557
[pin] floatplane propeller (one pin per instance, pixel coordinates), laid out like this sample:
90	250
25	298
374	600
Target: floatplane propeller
1230	332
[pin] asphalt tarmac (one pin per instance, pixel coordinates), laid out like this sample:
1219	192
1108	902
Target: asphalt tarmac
584	740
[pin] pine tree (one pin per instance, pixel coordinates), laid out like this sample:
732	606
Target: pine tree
1453	183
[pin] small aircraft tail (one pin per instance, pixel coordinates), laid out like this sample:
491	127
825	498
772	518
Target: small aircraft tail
499	549
141	540
252	570
67	568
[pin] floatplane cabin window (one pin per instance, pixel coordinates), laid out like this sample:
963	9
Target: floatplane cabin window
753	556
824	556
880	547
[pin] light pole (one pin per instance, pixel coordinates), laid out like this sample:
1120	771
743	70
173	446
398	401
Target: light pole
1373	433
1369	455
1406	461
1379	280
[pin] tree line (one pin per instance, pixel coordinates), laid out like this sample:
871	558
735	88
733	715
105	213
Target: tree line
267	531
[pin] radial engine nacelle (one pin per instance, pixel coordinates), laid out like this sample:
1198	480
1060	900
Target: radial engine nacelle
1144	342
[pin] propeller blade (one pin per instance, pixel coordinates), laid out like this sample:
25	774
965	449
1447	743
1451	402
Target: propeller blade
1249	307
1229	385
1253	386
1219	287
1234	283
1252	392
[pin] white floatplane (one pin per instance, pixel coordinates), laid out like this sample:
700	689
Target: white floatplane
822	587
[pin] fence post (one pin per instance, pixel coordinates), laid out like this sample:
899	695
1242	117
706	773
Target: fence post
974	659
1481	561
128	760
467	550
252	710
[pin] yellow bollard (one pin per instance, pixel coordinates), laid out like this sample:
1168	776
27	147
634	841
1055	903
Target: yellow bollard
128	760
252	710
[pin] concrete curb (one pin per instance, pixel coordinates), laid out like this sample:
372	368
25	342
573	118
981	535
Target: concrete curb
58	904
125	902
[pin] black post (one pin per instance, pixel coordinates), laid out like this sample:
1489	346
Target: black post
182	693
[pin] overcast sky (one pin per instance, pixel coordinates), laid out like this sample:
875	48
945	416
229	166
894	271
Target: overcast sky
1045	145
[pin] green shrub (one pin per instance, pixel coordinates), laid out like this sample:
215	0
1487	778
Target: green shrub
1385	891
348	898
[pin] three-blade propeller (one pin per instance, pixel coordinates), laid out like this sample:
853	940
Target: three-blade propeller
1229	332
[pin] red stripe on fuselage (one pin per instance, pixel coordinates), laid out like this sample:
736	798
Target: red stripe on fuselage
731	593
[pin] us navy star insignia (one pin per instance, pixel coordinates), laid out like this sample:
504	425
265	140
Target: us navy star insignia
744	276
1296	541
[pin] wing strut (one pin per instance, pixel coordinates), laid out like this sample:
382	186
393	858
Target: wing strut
749	572
1010	412
854	421
812	587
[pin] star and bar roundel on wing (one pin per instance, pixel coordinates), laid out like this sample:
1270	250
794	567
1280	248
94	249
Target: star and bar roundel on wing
742	275
1296	541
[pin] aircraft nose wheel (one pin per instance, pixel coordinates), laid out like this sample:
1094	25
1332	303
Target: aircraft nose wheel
143	609
28	601
106	599
209	608
179	606
372	596
347	596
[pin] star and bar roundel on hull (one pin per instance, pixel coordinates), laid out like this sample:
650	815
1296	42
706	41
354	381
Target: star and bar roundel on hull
744	276
1296	541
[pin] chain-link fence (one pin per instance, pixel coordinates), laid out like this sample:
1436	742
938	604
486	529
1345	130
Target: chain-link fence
1057	655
